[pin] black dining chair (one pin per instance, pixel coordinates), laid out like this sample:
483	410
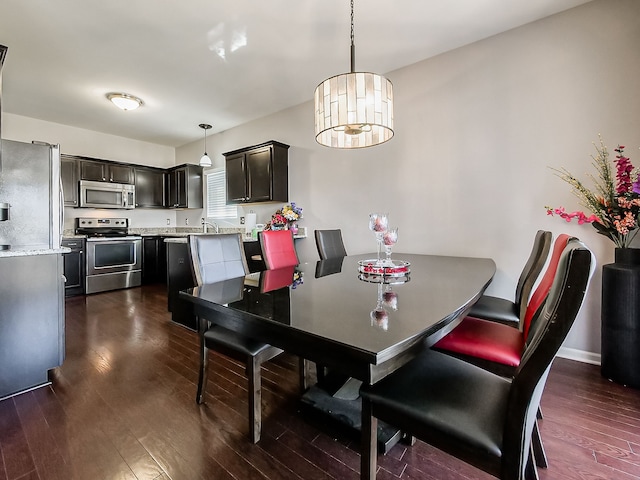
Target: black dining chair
509	312
330	244
477	416
216	258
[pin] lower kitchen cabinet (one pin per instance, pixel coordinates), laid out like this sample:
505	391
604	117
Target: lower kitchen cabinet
179	277
74	266
154	260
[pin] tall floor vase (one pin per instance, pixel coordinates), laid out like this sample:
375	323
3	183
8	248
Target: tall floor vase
621	318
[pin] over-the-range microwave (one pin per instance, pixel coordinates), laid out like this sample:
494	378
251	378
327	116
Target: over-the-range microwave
107	195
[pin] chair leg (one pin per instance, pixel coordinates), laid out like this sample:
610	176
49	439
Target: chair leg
303	368
369	453
255	399
530	472
538	449
202	375
539	414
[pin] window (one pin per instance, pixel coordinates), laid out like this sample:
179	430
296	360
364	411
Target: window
217	196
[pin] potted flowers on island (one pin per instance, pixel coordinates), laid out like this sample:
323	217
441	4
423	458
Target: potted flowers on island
285	218
614	204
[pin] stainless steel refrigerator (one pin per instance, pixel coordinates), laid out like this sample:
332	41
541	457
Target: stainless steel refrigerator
31	280
30	184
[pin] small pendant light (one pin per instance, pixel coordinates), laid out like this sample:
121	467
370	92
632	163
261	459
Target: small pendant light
205	161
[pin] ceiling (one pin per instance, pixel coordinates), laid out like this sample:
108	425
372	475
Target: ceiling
223	62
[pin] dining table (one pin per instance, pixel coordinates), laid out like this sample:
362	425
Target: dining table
344	315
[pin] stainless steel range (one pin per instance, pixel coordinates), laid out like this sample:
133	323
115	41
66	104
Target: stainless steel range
114	258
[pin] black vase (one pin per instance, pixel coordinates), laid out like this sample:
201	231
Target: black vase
621	318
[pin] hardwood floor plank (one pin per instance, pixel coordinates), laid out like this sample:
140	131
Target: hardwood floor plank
15	447
123	406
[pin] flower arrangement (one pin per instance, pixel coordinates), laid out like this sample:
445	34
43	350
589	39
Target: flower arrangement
287	214
292	212
615	202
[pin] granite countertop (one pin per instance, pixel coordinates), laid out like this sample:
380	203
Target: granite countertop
30	250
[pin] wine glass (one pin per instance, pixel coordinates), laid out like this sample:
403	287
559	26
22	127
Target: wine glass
379	316
378	223
389	238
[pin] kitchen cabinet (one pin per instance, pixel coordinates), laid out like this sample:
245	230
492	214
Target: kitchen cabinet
69	176
74	266
180	277
106	172
184	186
154	260
150	187
257	174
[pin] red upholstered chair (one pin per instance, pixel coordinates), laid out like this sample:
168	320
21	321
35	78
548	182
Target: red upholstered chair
278	249
495	346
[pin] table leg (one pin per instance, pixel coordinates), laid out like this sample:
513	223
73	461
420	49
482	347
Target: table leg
369	448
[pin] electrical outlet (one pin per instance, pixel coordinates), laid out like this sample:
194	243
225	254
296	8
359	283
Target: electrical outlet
241	220
186	221
168	221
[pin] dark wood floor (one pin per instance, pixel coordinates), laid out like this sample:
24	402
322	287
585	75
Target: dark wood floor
122	407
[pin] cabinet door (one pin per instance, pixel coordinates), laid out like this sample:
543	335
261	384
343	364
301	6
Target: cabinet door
236	178
150	188
178	188
120	174
154	261
69	176
95	171
258	164
74	267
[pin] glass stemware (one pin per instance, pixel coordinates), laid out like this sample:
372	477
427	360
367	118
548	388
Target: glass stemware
378	223
389	238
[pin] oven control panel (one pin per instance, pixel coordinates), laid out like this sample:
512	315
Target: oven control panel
84	222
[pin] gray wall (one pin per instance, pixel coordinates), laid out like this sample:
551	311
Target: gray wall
476	130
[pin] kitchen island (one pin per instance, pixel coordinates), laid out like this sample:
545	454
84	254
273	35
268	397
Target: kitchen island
32	324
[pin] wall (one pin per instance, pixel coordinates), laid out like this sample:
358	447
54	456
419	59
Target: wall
476	130
77	141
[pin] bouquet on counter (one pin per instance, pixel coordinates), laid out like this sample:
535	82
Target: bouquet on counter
286	215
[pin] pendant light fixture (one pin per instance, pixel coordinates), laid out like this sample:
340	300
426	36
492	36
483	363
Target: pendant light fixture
355	109
205	161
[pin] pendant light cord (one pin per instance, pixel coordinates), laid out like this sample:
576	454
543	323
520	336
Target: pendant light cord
353	44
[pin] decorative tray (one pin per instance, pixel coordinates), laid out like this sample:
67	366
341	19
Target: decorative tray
398	268
387	280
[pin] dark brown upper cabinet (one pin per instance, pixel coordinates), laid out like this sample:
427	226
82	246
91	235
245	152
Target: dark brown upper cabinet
105	172
258	174
184	186
69	177
150	187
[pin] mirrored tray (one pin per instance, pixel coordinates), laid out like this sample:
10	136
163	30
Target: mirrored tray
387	280
399	268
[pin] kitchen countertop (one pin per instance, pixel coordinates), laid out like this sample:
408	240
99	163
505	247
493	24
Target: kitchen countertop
23	251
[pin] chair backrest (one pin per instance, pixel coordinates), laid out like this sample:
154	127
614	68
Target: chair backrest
542	290
329	244
217	257
278	249
531	270
329	266
574	270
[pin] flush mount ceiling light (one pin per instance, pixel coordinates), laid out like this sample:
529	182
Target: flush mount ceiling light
125	101
354	110
205	161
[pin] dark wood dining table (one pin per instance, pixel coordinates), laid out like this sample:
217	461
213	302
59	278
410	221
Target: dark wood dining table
364	326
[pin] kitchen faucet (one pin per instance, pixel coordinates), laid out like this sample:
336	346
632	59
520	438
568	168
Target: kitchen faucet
205	223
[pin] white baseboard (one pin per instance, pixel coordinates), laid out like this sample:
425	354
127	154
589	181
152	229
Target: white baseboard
579	355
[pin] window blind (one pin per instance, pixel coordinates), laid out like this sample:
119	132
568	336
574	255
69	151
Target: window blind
217	196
